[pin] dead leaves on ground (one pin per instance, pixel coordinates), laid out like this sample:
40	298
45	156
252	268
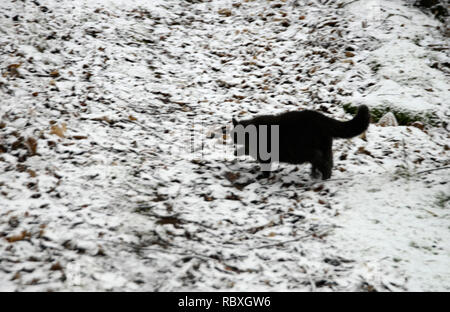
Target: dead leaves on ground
225	12
12	70
31	144
362	150
15	238
58	130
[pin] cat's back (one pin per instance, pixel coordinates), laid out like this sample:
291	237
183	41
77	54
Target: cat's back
291	117
300	119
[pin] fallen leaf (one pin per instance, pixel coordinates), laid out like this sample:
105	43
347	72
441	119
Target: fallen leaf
16	276
54	73
79	137
362	150
31	144
56	267
225	12
232	176
21	236
418	124
32	173
57	130
349	54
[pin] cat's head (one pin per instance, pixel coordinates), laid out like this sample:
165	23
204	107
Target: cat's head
239	125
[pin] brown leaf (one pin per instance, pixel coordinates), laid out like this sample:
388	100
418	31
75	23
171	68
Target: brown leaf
58	130
169	220
54	73
104	118
19	237
207	197
313	70
319	188
232	176
362	150
418	124
32	173
363	136
349	54
14	66
225	12
16	276
31	144
232	196
56	267
79	137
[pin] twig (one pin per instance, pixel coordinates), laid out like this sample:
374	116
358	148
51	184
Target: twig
290	241
311	282
435	169
341	5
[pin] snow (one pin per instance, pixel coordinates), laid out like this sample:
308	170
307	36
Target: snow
122	201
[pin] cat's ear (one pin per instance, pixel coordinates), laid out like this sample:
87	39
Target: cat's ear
235	122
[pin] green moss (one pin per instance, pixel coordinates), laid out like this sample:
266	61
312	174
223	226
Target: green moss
403	117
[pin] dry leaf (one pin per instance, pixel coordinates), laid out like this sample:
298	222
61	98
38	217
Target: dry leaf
31	144
54	73
32	173
16	238
14	66
349	54
362	150
56	267
418	124
16	276
363	136
224	12
57	130
79	137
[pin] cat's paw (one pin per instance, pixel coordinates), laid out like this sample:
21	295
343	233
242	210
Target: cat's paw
316	175
263	175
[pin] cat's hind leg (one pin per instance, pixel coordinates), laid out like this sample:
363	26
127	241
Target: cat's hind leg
266	169
322	163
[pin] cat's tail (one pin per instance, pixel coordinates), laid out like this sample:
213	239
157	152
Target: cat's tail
351	128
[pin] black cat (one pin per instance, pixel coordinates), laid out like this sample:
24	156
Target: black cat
303	136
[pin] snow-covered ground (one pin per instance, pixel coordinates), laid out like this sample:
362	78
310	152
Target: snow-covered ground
113	175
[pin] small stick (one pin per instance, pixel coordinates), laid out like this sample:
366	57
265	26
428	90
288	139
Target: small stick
435	169
288	241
